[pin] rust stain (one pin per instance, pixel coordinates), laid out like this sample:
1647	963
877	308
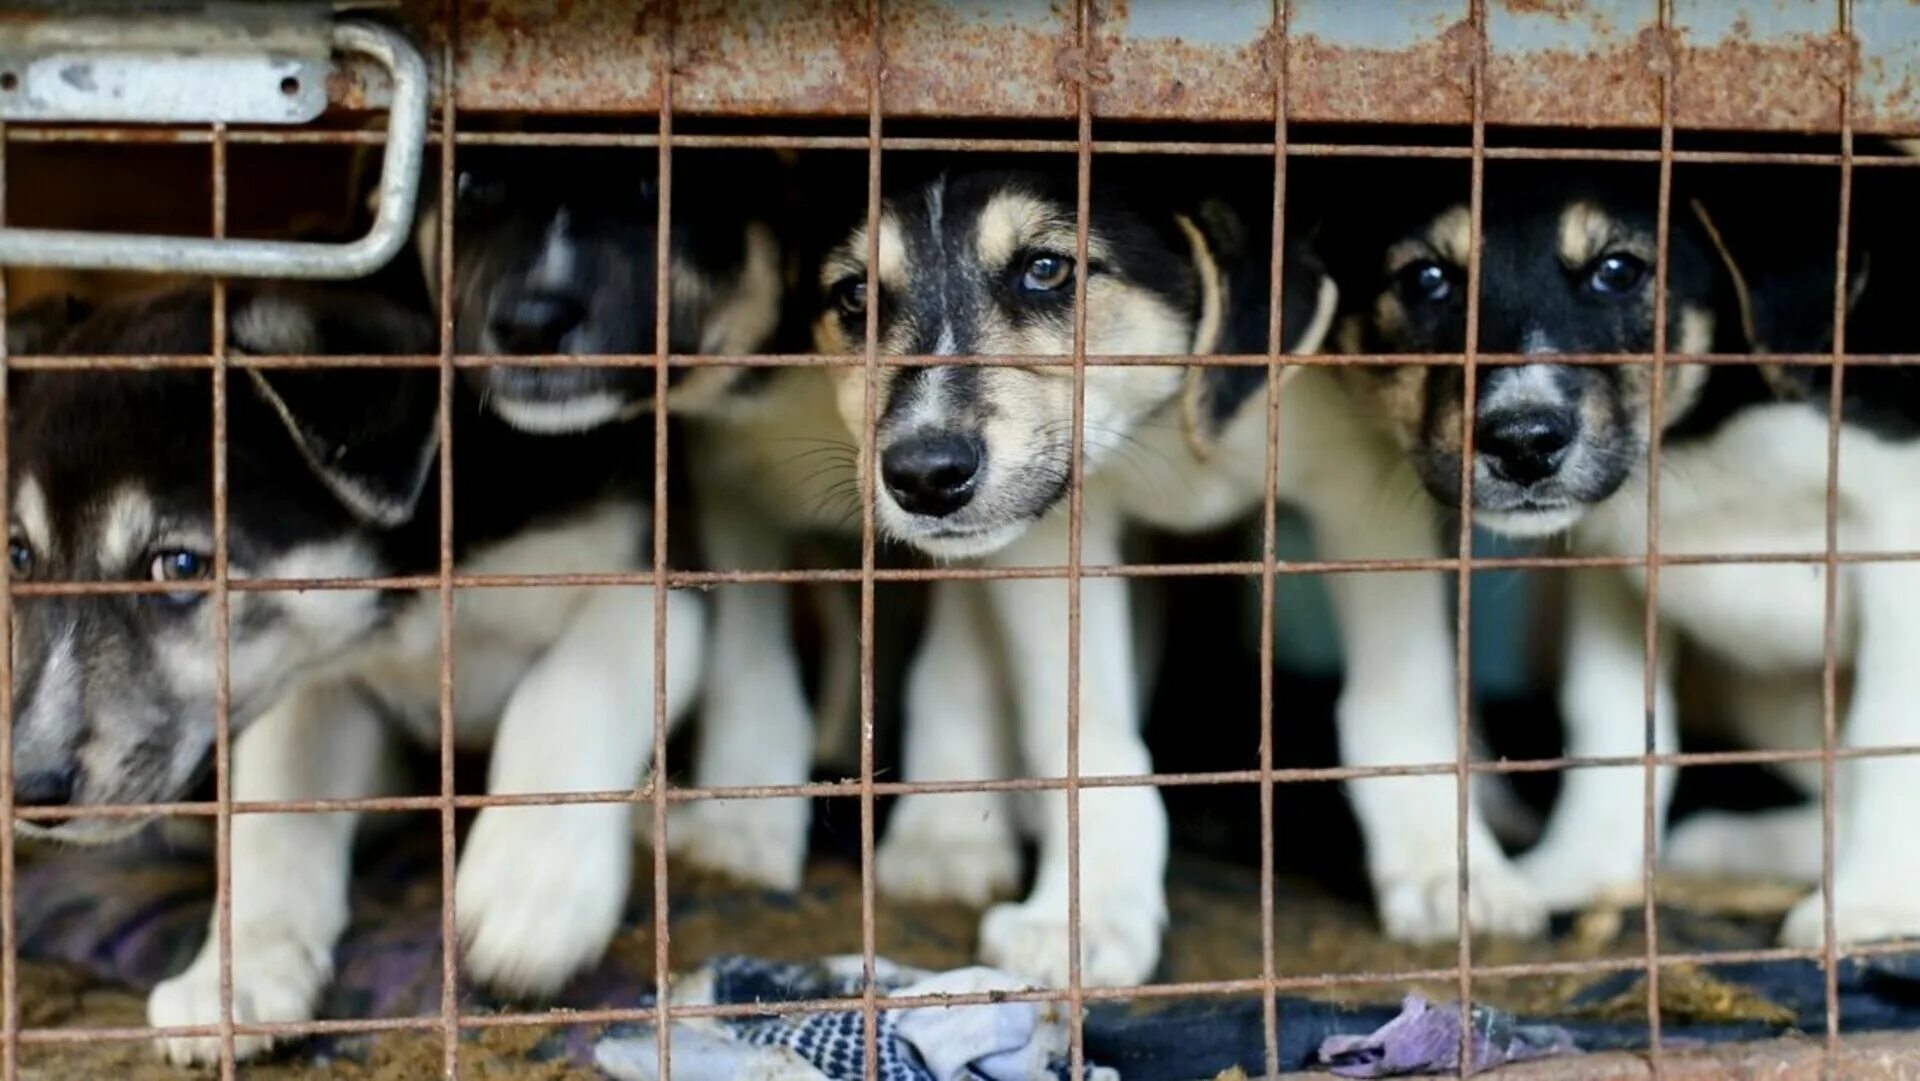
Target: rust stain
1744	84
1425	84
809	58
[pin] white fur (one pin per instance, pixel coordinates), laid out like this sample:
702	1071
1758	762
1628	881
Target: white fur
755	726
1397	710
555	418
960	846
559	680
1758	485
1397	705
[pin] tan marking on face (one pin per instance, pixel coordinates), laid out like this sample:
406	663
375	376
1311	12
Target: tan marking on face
1347	339
850	258
30	509
1588	232
125	527
1012	222
1685	381
1696	330
1450	236
1389	319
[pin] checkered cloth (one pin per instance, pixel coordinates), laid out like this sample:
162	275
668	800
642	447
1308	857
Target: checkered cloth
1000	1041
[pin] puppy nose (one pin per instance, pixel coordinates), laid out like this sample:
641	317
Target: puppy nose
1528	445
932	474
45	787
536	323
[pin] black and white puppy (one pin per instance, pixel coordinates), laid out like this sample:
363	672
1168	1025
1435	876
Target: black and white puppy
561	261
975	462
328	476
1568	267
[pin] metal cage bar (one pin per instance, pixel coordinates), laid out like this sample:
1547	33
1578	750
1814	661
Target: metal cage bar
1486	95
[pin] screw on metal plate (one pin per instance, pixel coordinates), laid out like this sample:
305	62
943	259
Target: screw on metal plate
170	62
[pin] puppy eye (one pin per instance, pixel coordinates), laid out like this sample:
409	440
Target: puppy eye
19	557
1617	273
1045	273
180	565
850	295
1425	280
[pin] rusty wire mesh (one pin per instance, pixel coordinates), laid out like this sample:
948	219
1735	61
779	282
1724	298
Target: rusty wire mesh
1282	105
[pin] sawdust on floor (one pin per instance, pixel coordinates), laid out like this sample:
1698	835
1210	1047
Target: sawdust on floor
1214	934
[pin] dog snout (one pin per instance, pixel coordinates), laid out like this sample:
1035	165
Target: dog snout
933	474
536	323
1526	446
45	787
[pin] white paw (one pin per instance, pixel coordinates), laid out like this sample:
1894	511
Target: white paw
762	842
1421	903
275	979
1766	844
1119	944
949	848
1571	877
1883	909
539	891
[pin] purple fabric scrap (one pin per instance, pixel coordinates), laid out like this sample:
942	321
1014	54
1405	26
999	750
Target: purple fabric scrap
1425	1039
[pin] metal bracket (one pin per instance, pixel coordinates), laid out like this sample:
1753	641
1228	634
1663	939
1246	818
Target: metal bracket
151	74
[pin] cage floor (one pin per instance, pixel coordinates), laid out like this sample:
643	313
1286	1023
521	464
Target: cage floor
390	962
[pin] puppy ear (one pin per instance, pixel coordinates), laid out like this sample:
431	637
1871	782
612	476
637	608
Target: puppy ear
37	326
368	434
1781	283
1211	397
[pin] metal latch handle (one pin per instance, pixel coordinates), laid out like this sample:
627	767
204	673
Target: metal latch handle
393	222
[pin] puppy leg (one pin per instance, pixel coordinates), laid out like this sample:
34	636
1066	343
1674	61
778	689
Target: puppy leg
1877	860
1397	708
952	846
1123	831
289	873
540	889
1593	843
755	725
1780	843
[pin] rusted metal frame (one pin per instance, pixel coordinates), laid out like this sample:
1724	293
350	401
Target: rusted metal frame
222	627
1083	91
662	915
657	783
449	932
809	360
711	579
1650	604
1463	568
868	470
1269	530
9	931
1220	147
848	788
1829	645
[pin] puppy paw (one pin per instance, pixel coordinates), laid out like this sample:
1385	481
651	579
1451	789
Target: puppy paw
1569	877
949	848
1862	912
762	842
1119	944
539	891
275	979
1422	903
